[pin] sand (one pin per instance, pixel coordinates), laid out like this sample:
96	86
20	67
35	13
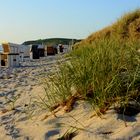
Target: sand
19	87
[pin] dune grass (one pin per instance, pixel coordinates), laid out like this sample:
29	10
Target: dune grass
104	68
126	29
103	73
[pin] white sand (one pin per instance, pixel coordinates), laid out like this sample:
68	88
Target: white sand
24	84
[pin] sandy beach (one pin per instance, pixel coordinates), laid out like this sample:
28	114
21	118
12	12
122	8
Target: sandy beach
20	119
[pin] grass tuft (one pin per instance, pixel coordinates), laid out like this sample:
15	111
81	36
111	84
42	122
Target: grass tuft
104	69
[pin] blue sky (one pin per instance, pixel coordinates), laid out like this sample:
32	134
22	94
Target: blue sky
38	19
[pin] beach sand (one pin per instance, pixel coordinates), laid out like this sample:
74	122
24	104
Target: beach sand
20	119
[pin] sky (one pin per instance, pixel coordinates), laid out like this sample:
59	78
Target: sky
22	20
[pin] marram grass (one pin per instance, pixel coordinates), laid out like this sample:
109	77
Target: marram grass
102	73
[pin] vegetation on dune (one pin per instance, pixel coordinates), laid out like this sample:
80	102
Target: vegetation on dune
104	71
101	75
126	29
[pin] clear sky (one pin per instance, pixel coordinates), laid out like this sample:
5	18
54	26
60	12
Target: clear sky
22	20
